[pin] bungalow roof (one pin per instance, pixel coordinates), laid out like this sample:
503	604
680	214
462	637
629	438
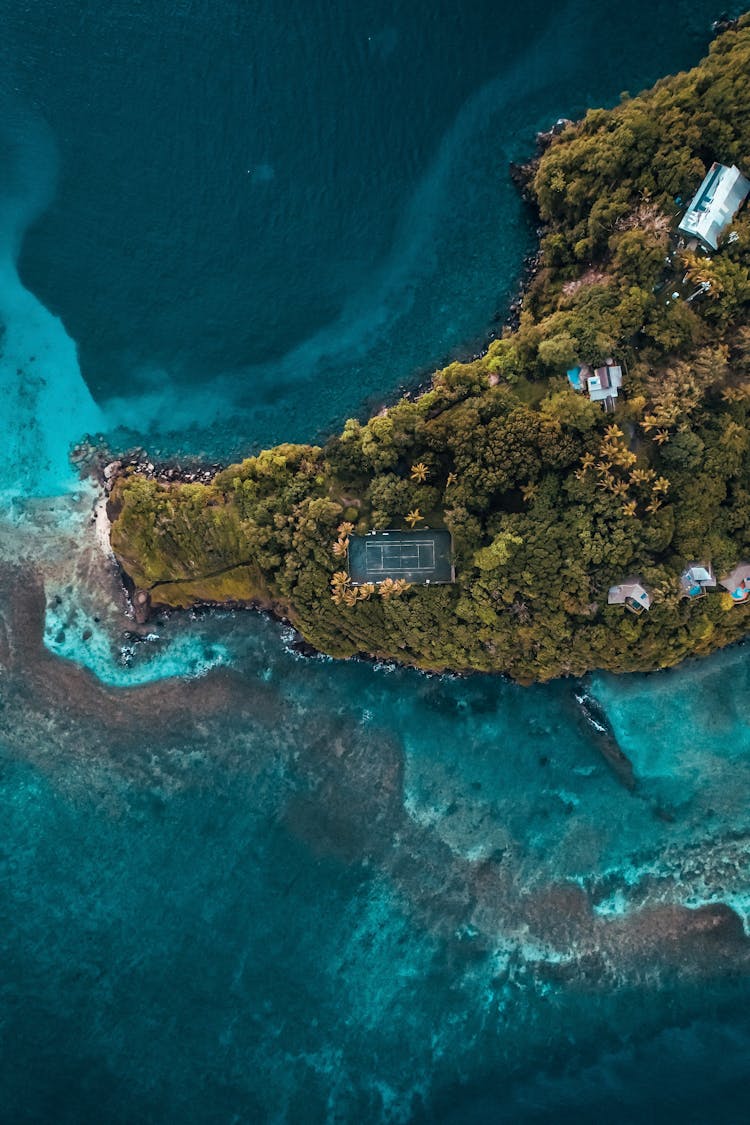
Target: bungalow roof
696	578
605	382
701	574
619	595
737	580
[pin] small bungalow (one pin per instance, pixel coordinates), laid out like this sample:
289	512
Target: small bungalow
737	582
696	580
602	384
714	205
630	594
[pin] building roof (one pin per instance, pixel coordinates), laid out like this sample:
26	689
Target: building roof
618	595
696	578
701	574
715	204
605	382
737	582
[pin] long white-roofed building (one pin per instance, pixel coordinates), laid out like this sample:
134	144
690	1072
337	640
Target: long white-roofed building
714	205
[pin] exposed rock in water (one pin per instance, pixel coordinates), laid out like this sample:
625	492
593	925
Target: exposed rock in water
522	174
724	23
141	606
303	648
530	266
606	742
111	470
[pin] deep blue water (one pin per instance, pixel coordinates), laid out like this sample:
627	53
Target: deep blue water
271	216
236	885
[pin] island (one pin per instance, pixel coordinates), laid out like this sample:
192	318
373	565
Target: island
576	498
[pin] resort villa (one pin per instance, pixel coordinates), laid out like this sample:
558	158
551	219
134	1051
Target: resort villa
601	384
696	580
737	582
714	205
630	594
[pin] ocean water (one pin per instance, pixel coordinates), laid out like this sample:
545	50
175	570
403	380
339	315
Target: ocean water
239	885
264	220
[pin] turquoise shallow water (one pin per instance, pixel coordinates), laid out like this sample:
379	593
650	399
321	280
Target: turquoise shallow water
239	885
300	890
263	222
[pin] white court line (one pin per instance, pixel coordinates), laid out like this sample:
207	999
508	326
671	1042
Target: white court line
400	557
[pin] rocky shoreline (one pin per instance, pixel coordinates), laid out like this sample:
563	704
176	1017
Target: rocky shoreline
93	456
94	459
522	176
264	528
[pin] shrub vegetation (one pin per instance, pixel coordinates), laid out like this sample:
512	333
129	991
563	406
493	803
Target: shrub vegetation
549	500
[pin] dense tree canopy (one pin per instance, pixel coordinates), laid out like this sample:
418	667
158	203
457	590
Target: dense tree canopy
549	500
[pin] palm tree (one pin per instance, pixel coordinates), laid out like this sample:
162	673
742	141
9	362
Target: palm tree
661	484
701	273
629	509
587	461
452	479
733	394
614	431
529	491
661	436
414	516
340	586
623	456
654	505
419	472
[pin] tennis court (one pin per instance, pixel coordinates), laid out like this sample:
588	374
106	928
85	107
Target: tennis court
417	556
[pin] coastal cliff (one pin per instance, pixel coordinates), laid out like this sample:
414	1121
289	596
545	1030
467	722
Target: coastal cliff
549	501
